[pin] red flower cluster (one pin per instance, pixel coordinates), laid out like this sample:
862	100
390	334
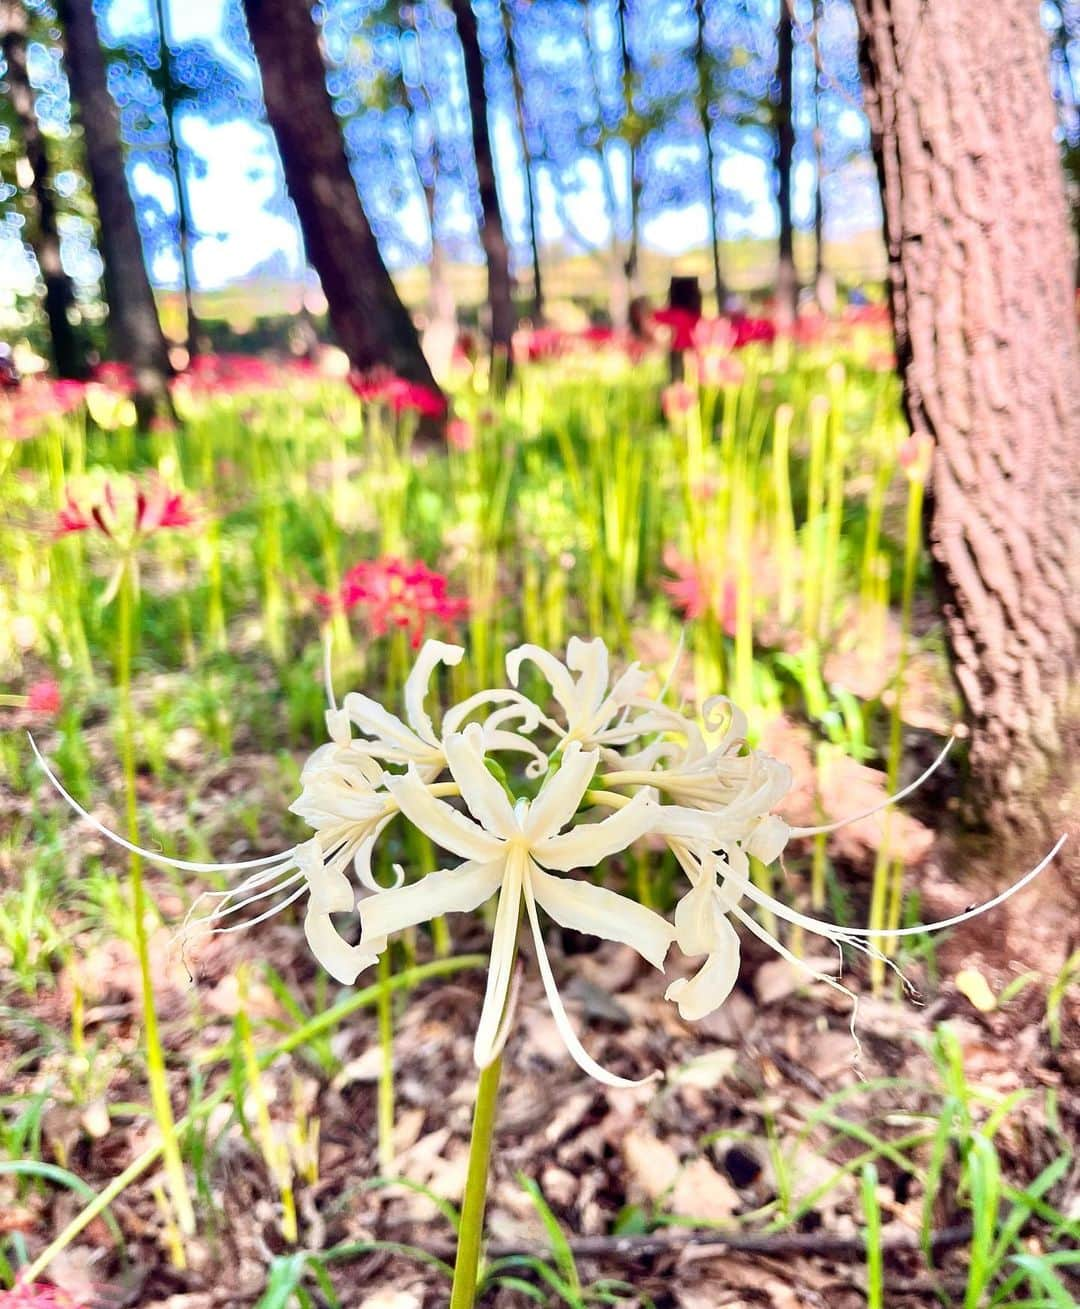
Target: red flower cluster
25	408
697	592
682	324
747	330
394	594
398	395
43	697
136	511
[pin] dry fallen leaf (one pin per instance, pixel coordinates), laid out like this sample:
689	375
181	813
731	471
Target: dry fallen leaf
652	1165
701	1192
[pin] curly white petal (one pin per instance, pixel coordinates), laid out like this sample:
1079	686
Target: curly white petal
444	824
585	907
589	843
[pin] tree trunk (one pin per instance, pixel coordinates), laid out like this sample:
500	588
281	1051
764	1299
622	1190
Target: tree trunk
183	211
134	327
824	282
632	143
618	293
492	236
704	103
45	237
526	159
980	280
787	282
370	321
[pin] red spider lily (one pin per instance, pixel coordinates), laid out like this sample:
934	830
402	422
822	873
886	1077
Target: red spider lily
36	1295
394	594
597	334
398	394
459	434
43	697
752	330
539	343
24	409
697	592
115	376
681	323
137	511
677	399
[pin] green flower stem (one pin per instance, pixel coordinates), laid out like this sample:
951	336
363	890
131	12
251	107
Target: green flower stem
155	1057
471	1232
385	1104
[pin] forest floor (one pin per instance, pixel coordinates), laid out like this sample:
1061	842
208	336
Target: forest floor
757	1136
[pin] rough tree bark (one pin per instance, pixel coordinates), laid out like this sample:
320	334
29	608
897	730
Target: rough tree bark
632	129
980	279
134	326
492	236
370	321
787	282
44	233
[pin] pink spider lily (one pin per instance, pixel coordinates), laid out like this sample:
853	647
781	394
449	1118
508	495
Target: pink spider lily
395	595
697	591
125	515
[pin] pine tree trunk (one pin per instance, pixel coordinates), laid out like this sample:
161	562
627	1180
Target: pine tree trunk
618	291
824	283
370	321
44	233
526	160
787	282
704	104
980	268
134	327
492	236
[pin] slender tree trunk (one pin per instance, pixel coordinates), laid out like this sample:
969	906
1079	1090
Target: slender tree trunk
134	327
787	282
370	321
704	103
45	236
619	296
631	129
526	158
824	284
183	211
980	278
492	236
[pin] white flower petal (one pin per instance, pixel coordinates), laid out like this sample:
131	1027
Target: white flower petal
600	912
577	1051
387	731
696	916
432	653
589	843
331	890
590	660
340	959
530	715
768	839
559	679
561	794
707	990
445	891
487	801
444	824
492	1028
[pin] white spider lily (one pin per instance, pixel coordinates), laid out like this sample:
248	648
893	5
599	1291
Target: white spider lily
719	882
390	741
313	868
587	702
507	848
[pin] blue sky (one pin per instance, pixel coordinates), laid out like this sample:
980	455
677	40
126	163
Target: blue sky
243	220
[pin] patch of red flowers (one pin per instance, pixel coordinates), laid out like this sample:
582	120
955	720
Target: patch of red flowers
681	323
137	510
43	697
394	594
697	592
398	395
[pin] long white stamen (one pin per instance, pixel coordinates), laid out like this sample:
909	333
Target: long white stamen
261	918
249	884
224	910
152	856
834	932
889	800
